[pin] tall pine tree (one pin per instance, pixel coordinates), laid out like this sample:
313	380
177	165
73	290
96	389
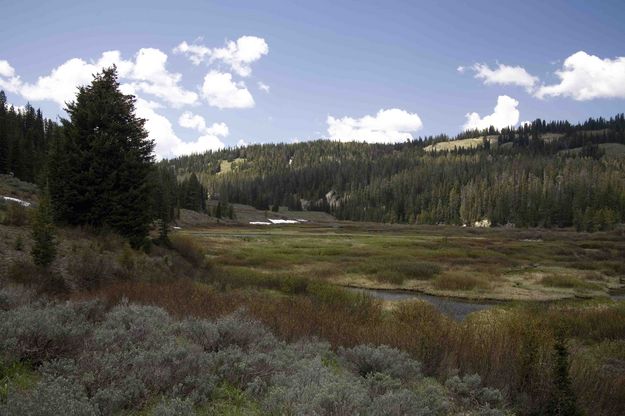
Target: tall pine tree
98	174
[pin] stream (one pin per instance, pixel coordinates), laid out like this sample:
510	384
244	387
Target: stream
457	309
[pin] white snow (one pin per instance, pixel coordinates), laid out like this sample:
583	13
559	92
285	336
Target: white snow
176	228
260	223
278	221
19	201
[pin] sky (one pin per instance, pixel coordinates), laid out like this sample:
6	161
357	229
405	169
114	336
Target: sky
214	74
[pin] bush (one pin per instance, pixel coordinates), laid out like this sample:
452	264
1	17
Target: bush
174	407
16	214
51	396
310	388
37	334
190	249
89	269
368	359
13	296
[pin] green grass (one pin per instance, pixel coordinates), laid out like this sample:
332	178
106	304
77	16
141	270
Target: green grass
492	263
17	375
568	282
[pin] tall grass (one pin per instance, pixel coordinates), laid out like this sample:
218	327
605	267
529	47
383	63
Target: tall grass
512	348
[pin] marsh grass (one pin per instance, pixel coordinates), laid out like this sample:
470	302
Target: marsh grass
432	258
568	282
461	282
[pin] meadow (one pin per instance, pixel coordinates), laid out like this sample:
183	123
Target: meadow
498	264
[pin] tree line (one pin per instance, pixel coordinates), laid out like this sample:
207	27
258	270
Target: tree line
96	168
99	170
547	174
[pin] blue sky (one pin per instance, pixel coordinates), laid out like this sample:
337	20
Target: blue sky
367	70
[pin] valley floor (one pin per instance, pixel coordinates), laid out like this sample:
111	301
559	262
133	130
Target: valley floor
469	263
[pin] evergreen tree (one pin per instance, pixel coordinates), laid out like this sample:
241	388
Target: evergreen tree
100	171
562	401
43	233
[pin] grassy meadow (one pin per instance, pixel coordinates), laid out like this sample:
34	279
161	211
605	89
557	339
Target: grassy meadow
449	261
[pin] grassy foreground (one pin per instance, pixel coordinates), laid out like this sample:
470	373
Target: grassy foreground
450	261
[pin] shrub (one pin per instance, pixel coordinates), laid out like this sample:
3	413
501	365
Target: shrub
399	403
238	330
311	388
470	393
13	296
89	269
41	333
174	407
51	396
367	359
190	248
16	214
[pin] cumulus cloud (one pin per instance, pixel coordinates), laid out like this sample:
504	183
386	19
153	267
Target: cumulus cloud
504	75
387	126
167	143
8	80
505	114
197	122
195	53
147	73
238	55
153	78
263	87
219	90
586	77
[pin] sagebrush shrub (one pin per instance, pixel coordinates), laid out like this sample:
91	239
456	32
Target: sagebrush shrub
366	359
51	396
13	296
41	333
310	388
174	407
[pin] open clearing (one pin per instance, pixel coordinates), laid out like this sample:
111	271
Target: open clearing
500	264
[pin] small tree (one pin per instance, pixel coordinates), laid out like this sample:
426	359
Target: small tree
562	401
43	232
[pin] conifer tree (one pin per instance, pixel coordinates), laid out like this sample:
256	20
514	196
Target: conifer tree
100	171
43	233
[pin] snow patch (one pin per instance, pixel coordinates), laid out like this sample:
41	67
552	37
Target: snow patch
259	223
19	201
278	221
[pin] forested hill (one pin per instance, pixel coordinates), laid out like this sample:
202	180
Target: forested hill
540	174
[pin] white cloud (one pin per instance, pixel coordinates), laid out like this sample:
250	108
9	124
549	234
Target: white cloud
387	126
8	80
167	143
238	55
220	91
505	75
460	69
195	53
147	73
586	77
505	114
263	87
153	78
243	143
6	70
197	122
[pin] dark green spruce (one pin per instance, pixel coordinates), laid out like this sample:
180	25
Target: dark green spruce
99	172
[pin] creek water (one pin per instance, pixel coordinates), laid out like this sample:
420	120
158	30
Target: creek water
457	309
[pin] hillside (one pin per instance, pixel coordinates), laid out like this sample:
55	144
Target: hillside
510	177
